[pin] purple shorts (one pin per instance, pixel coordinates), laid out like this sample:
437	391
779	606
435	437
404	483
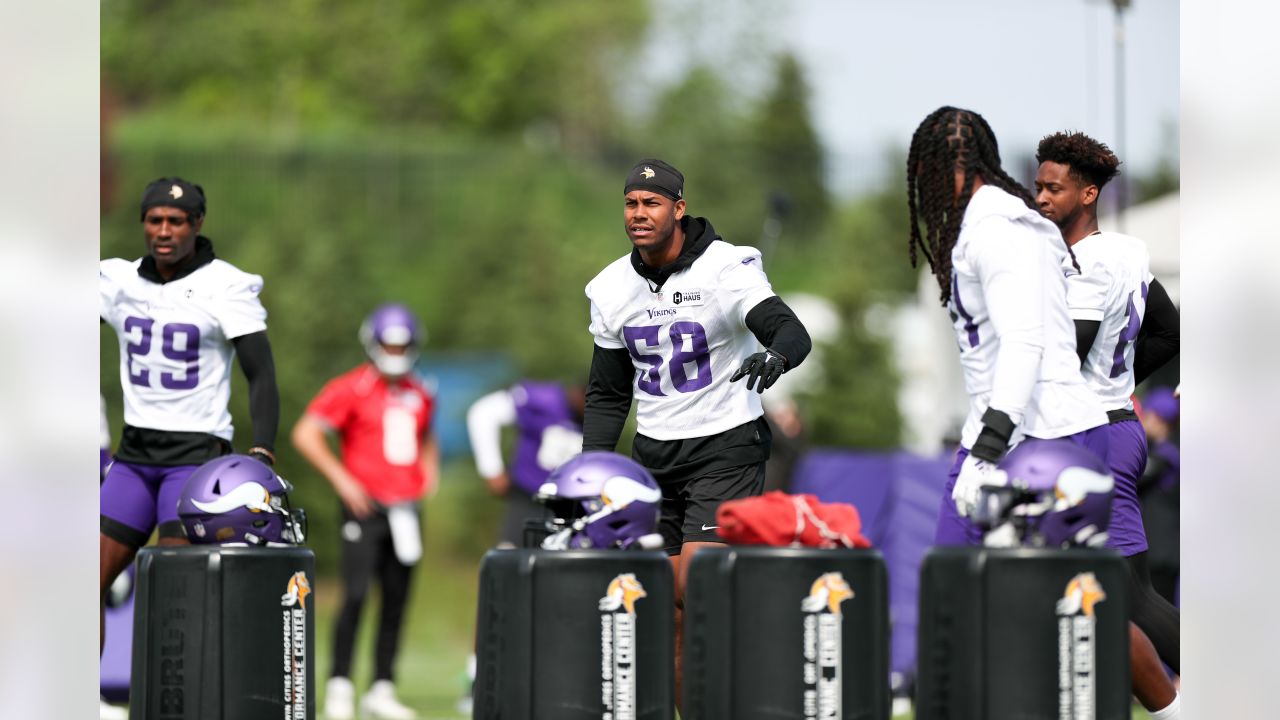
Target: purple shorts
955	530
134	498
1126	458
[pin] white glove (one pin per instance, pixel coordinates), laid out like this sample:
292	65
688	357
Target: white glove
974	473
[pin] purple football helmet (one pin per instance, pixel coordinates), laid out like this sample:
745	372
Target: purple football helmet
1058	495
601	500
394	325
236	499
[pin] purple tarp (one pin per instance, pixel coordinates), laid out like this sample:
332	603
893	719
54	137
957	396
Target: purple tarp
897	496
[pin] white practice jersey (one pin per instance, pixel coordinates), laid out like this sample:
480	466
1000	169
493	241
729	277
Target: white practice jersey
1111	287
175	349
1008	304
686	340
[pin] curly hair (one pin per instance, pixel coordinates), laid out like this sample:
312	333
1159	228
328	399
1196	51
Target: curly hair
1086	158
950	140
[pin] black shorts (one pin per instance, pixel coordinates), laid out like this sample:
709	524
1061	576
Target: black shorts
698	474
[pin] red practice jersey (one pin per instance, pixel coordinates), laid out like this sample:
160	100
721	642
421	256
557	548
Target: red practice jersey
381	425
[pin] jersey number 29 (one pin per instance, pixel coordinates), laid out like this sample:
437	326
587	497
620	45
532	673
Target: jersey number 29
186	349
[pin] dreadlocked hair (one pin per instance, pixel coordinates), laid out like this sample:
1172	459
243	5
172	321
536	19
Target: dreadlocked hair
1086	159
947	141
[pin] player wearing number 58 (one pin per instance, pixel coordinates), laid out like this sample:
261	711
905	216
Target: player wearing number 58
180	315
678	323
382	416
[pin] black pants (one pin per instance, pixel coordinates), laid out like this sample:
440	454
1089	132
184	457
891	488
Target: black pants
366	552
1153	614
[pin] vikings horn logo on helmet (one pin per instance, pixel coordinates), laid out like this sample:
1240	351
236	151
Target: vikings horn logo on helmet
250	495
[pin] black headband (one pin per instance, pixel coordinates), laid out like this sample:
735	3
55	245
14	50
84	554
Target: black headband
174	192
656	176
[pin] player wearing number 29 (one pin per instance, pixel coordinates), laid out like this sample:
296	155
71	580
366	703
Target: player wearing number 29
1126	326
676	323
382	416
181	314
999	267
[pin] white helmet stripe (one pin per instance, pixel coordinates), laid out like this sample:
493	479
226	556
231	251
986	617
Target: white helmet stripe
250	495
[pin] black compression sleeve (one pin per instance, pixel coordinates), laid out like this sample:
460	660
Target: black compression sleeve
254	351
1158	338
608	398
1086	333
777	328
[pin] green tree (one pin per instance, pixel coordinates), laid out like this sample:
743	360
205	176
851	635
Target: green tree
790	156
481	66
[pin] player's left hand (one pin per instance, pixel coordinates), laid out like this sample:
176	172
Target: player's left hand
762	368
974	473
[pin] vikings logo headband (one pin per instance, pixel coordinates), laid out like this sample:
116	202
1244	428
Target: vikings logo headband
655	176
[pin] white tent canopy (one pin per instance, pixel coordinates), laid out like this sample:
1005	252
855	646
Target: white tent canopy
1157	223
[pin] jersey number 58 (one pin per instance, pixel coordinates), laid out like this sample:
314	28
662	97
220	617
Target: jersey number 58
697	355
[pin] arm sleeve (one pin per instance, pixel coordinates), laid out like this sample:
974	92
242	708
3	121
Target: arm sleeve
485	419
1086	334
1158	339
238	310
1011	267
608	398
777	328
254	351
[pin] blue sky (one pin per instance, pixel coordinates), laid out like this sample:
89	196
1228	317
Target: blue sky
875	69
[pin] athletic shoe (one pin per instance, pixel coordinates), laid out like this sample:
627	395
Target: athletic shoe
339	699
112	712
380	703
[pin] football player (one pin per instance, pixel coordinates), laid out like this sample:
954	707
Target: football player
180	314
390	459
548	421
1115	303
998	264
677	322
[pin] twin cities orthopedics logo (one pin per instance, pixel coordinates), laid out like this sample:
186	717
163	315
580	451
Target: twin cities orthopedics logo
1077	685
294	618
824	646
618	647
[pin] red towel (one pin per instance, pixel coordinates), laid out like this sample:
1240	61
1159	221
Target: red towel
776	518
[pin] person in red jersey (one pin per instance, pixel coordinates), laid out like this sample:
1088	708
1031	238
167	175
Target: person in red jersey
389	461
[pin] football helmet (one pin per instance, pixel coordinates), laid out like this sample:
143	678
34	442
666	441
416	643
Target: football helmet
395	325
1058	495
601	500
234	500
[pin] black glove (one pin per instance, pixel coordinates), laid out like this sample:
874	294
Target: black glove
762	368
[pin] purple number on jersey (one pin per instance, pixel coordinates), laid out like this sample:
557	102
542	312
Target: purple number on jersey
188	353
1128	334
141	376
969	325
697	354
650	381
